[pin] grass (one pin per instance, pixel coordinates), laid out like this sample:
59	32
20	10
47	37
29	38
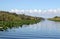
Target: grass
11	24
54	19
9	20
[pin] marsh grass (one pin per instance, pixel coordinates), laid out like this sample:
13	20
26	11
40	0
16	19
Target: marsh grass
10	20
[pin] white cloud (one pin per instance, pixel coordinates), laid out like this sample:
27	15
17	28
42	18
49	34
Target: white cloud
55	11
30	11
39	10
12	10
49	11
15	10
35	10
21	10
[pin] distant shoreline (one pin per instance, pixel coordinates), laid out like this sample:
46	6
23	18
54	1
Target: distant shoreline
56	19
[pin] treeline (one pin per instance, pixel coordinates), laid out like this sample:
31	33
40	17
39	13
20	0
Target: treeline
56	19
8	16
9	20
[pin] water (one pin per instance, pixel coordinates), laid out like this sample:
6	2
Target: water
42	30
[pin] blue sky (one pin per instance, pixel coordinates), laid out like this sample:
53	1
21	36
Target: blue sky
29	4
48	6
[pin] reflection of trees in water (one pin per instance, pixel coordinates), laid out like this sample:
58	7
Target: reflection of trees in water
10	20
4	28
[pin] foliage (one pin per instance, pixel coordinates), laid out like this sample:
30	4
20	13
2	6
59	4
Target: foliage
56	19
9	20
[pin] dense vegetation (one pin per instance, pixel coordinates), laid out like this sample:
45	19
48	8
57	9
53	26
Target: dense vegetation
56	18
9	20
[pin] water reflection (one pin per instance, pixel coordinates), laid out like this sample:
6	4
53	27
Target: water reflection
42	30
44	27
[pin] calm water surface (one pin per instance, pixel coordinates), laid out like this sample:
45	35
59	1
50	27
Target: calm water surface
42	30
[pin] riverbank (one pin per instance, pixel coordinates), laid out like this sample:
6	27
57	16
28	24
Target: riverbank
9	20
56	18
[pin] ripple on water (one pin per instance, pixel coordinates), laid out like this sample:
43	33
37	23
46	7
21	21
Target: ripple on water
43	30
